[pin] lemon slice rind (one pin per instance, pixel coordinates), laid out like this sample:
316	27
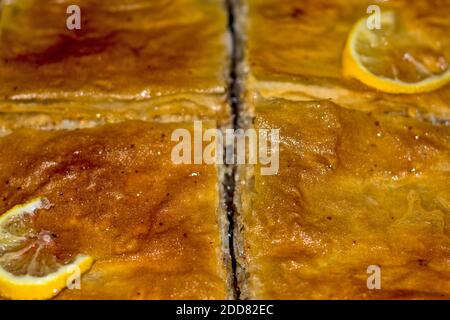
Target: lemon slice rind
353	67
27	287
40	288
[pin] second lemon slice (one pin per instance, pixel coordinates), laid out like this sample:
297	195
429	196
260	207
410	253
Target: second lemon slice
392	59
29	269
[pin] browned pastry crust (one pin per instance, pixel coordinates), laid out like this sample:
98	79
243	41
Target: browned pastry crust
354	189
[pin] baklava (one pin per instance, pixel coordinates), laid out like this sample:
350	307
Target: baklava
88	182
94	206
124	50
355	191
153	229
360	206
294	50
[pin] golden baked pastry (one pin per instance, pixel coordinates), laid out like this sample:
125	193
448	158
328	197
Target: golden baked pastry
153	228
294	49
86	118
125	50
41	114
355	191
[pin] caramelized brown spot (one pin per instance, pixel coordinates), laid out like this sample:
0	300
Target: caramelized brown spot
296	12
69	46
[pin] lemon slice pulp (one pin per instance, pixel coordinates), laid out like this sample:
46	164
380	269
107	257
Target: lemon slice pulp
393	59
29	267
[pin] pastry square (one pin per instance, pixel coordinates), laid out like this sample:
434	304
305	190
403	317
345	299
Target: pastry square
356	193
293	49
155	229
124	50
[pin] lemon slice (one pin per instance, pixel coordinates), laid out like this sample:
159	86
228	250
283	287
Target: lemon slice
28	267
393	59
